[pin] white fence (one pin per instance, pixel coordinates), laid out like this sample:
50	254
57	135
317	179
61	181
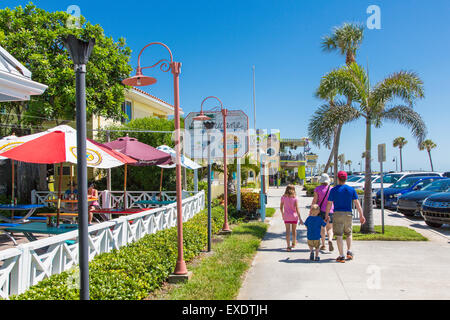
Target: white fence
110	199
29	263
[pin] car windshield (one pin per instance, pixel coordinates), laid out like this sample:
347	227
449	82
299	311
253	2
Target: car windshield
405	183
388	178
438	186
353	178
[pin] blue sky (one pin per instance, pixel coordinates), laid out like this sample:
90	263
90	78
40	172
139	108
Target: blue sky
218	42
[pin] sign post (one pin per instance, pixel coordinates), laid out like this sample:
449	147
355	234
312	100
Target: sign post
381	159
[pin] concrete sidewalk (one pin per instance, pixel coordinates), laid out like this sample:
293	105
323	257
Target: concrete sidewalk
380	270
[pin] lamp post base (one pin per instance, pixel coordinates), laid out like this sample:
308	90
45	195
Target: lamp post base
225	232
177	278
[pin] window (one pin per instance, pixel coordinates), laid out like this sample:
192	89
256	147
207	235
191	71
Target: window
127	109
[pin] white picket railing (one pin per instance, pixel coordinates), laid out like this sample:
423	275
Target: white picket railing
29	263
110	199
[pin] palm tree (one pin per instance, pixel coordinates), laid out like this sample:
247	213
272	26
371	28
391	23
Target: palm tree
341	159
346	40
428	145
372	105
349	164
400	142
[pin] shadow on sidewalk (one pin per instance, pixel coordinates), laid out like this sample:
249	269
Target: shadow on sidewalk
306	260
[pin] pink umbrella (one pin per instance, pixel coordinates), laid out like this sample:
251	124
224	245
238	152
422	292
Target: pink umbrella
144	154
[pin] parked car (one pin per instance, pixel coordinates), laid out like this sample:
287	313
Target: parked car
410	203
446	174
401	187
436	209
359	184
391	178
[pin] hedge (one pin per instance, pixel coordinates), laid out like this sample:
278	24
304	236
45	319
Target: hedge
309	187
135	270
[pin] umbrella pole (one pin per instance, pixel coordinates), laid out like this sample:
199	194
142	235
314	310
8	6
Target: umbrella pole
12	191
160	185
59	193
125	188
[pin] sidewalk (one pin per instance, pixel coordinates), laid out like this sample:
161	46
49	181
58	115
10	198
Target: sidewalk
381	269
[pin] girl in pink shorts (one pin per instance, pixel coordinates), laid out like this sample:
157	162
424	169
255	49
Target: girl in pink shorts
291	215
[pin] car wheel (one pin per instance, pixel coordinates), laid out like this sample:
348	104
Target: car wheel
433	224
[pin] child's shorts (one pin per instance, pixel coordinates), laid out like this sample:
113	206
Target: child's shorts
314	243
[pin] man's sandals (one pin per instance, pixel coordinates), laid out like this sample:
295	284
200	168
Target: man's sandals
342	259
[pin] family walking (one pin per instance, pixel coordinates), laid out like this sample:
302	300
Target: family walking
330	214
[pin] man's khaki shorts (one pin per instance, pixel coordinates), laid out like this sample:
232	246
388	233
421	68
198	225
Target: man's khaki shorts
314	243
342	223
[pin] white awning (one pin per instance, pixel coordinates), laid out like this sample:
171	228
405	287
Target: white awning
15	80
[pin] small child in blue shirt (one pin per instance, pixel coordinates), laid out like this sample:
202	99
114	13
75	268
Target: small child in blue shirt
313	224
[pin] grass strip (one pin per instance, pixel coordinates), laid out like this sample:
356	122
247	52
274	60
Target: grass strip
391	233
220	275
270	212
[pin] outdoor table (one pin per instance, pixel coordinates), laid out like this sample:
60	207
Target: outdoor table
154	202
29	229
19	207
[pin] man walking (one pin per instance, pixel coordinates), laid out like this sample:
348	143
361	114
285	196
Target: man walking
342	197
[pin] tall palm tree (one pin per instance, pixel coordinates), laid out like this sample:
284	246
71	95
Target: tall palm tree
400	142
372	105
341	159
428	145
349	164
345	39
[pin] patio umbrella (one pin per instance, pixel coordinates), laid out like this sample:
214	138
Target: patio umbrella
58	145
185	162
144	154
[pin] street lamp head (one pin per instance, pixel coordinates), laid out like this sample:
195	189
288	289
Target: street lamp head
139	80
202	117
79	50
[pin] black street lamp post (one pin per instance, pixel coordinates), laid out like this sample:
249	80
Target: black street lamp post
80	52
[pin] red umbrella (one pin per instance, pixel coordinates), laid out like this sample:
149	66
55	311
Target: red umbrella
144	154
58	145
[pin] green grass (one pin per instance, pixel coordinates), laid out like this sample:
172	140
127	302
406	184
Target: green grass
391	233
270	212
219	276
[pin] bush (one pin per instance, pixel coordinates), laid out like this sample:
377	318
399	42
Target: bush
309	187
135	270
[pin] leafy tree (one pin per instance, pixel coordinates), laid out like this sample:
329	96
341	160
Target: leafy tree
349	164
34	37
400	142
372	104
428	145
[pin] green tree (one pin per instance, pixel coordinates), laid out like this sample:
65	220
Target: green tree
34	37
349	164
346	40
400	142
373	105
428	145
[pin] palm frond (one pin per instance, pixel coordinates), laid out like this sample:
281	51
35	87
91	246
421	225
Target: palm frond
408	117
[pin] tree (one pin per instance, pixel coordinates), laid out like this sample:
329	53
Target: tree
34	37
341	159
428	145
400	142
346	40
349	164
372	104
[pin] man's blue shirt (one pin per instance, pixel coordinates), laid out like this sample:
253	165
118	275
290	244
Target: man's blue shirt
342	197
313	224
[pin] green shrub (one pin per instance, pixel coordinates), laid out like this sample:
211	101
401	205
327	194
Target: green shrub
309	187
136	269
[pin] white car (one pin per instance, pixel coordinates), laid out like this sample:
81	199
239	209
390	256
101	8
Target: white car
359	184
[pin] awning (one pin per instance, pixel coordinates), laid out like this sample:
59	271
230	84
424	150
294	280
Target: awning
15	80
